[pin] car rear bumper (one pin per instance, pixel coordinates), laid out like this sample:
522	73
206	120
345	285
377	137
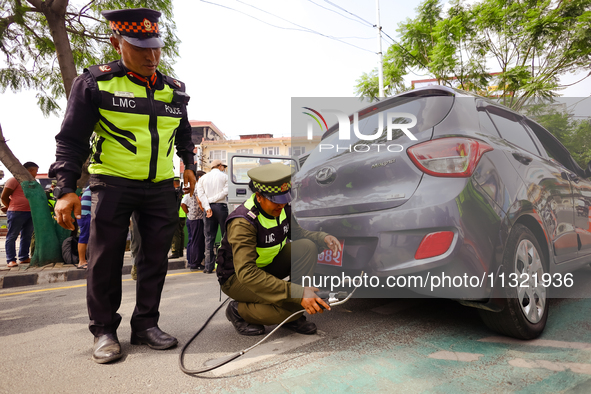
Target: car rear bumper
391	238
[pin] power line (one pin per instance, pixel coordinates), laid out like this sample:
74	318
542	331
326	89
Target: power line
338	13
302	28
356	16
308	30
250	16
372	25
394	42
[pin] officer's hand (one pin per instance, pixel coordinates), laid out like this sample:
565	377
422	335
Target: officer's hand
63	210
310	301
332	243
189	177
4	209
209	213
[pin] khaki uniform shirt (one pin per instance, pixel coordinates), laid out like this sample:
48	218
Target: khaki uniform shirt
242	236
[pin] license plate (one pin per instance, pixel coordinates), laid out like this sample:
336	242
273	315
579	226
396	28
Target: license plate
327	257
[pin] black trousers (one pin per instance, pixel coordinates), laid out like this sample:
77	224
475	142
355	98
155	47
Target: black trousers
210	229
113	201
178	238
196	246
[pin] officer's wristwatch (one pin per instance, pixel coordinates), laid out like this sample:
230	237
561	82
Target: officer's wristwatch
59	192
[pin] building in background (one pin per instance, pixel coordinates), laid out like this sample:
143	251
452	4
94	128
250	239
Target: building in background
257	144
211	144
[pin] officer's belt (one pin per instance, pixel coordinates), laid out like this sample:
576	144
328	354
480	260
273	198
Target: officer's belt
117	181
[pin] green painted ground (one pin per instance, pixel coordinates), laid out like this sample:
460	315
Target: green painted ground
394	358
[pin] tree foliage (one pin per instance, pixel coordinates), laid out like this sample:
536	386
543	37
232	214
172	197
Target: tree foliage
46	44
574	134
512	49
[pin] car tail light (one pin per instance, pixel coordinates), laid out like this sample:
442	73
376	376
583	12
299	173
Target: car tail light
448	157
434	244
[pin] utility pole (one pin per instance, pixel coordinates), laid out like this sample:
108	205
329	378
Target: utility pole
380	66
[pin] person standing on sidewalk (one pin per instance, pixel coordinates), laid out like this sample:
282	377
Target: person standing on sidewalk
84	225
18	212
212	190
136	114
196	246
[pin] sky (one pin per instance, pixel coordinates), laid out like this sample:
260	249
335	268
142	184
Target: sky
241	73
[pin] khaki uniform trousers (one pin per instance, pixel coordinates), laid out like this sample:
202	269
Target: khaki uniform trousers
296	259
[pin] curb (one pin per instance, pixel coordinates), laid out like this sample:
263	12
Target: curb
47	275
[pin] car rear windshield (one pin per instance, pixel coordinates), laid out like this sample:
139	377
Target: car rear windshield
428	111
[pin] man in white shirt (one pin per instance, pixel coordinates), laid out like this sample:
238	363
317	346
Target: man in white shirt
212	190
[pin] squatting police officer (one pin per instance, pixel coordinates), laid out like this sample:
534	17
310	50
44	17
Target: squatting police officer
136	114
255	256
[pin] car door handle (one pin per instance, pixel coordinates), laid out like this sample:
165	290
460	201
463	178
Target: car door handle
523	159
569	176
574	178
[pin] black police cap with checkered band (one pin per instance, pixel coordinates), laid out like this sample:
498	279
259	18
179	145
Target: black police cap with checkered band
138	26
273	181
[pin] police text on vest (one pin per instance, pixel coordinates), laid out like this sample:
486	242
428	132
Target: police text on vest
173	110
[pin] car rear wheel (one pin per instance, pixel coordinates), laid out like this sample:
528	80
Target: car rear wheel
525	302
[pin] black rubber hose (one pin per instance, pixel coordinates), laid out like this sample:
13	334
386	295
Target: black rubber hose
208	368
234	356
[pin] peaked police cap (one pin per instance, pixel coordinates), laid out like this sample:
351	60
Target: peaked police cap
273	181
138	26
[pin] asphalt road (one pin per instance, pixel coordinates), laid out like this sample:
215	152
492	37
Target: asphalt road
366	345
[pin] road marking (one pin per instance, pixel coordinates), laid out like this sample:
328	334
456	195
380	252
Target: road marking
551	366
41	290
76	286
182	273
455	356
538	342
264	351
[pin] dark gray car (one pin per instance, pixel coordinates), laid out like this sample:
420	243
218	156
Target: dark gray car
474	201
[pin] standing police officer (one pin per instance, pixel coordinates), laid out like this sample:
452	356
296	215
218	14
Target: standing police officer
255	256
136	114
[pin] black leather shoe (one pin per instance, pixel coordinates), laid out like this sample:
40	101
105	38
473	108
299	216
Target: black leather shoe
173	256
106	349
153	337
240	324
301	326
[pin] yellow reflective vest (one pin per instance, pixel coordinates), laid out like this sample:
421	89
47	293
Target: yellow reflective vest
135	134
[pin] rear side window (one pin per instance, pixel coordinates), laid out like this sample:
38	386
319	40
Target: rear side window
514	132
486	125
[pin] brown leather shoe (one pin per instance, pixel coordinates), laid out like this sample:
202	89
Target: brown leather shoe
241	325
153	337
106	349
301	326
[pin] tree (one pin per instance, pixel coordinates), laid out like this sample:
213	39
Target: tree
45	44
522	46
575	135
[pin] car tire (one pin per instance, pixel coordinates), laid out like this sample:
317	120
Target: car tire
525	308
